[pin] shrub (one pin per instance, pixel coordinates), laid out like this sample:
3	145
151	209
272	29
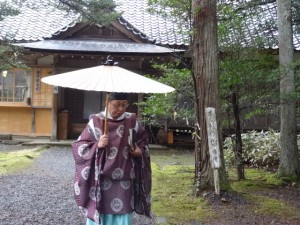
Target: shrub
260	149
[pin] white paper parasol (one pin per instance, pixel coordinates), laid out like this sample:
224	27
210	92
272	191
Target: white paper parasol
107	78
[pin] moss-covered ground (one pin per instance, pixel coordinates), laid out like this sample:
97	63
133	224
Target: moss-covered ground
14	161
173	191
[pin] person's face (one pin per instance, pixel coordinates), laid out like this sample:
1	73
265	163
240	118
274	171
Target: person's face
117	107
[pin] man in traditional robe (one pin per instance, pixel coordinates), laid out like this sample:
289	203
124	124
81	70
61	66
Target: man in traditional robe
112	170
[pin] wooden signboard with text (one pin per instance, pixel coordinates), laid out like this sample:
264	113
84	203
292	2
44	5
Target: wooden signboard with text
213	144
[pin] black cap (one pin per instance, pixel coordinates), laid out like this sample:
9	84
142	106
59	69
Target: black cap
118	96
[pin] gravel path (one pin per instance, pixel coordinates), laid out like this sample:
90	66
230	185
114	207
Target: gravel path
43	193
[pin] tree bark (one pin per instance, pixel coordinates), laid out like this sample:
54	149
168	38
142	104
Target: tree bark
289	164
238	138
205	70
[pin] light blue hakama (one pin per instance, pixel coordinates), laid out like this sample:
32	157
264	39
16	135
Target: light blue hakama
113	219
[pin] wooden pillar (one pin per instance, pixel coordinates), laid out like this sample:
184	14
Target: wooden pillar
32	120
139	113
54	114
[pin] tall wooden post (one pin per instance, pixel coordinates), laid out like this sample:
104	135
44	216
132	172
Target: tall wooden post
54	114
214	146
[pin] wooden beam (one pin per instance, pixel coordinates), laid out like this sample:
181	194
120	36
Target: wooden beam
54	117
128	33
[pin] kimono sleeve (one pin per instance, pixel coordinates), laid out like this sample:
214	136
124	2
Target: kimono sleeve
86	156
143	180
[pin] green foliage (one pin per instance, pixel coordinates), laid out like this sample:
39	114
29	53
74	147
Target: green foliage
8	53
93	11
233	29
297	87
296	67
171	8
9	9
260	149
176	106
250	76
247	74
296	15
9	56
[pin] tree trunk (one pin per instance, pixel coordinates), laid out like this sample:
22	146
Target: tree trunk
238	138
289	164
205	70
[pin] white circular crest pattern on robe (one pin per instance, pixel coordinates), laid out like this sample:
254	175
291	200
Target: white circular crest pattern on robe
85	172
83	150
101	115
92	194
125	152
76	188
106	184
98	132
96	172
116	205
125	184
120	130
90	130
84	211
96	217
112	153
118	173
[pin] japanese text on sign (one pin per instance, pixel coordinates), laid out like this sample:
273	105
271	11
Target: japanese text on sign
213	138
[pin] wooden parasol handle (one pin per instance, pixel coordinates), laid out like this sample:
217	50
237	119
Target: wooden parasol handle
106	113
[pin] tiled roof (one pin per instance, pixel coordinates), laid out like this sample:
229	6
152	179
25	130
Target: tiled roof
44	23
33	25
260	26
161	30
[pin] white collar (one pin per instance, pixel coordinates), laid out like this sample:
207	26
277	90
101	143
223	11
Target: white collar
110	117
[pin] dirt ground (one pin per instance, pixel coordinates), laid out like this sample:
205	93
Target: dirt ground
234	209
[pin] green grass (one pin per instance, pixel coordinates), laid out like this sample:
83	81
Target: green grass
173	157
173	190
274	207
13	161
172	193
260	180
173	196
256	179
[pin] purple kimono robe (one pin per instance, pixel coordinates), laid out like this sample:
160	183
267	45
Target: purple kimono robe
110	180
